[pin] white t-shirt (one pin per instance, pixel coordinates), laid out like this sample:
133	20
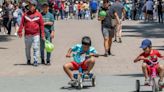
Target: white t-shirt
149	5
75	7
1	13
15	14
67	8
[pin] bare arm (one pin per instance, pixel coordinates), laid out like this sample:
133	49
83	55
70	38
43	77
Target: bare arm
117	17
139	58
123	13
48	23
69	53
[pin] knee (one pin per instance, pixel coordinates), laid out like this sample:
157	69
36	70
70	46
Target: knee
92	60
106	39
144	66
65	66
161	67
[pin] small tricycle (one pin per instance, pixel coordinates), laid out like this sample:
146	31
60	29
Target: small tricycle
152	72
81	76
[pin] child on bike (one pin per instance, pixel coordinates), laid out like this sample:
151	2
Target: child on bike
153	55
80	49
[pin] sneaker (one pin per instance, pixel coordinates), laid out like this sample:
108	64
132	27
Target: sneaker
109	52
106	54
120	41
161	83
4	33
115	40
28	62
86	76
147	82
48	63
35	63
72	82
42	62
15	34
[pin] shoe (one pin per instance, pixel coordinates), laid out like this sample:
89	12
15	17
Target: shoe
106	54
35	63
72	82
86	75
161	83
4	33
48	63
115	40
28	62
109	53
42	62
15	34
120	41
8	34
147	82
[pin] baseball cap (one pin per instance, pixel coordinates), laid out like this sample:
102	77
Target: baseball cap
33	2
145	43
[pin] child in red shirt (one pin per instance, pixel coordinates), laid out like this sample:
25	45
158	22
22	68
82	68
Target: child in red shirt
153	55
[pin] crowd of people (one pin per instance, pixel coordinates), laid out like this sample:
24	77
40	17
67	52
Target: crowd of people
74	10
145	10
11	13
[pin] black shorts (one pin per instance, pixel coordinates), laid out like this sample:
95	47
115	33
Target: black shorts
149	12
14	21
93	11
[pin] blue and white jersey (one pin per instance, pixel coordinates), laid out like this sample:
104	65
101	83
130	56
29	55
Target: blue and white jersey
79	52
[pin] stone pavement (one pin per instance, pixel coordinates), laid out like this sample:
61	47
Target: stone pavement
114	73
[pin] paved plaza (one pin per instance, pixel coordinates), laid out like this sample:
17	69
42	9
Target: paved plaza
114	73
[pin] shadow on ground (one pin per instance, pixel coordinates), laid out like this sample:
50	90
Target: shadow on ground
142	91
3	48
74	88
22	65
4	38
158	47
131	75
145	30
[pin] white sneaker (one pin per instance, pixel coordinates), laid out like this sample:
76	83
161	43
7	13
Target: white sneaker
15	34
161	83
147	82
4	33
72	82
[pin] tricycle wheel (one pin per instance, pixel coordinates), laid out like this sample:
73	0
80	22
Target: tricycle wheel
160	89
80	84
137	86
93	81
154	86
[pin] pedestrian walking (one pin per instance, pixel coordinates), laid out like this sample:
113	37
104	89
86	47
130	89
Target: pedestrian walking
49	32
160	12
107	27
119	8
33	25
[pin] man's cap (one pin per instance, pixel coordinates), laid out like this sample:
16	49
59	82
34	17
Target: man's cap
145	43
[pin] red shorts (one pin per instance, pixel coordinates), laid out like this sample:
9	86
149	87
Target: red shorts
76	65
